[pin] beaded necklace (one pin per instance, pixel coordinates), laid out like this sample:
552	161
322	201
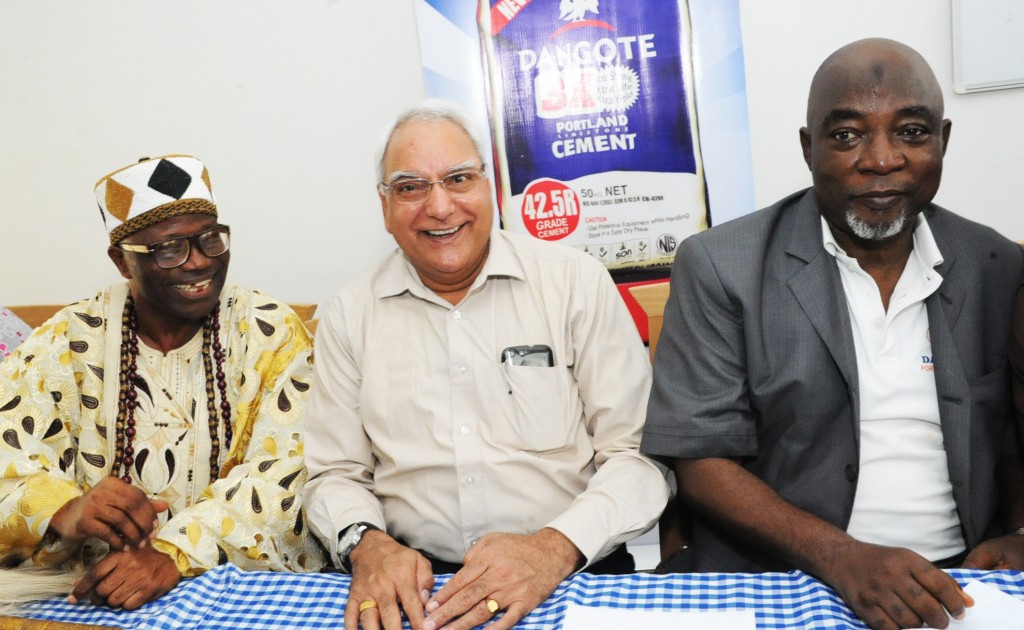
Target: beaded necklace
127	400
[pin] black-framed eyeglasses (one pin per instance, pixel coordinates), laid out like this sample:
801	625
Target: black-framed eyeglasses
417	189
175	251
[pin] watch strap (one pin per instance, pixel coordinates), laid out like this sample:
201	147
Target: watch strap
352	534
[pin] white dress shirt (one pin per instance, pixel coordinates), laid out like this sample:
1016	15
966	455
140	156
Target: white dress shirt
412	425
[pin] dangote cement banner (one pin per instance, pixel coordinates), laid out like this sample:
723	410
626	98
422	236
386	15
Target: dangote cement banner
591	105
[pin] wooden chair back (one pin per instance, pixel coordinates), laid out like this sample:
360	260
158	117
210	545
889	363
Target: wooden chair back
303	310
652	299
35	314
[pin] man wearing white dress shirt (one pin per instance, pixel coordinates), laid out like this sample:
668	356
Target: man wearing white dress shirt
478	404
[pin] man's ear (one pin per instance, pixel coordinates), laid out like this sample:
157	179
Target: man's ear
116	255
805	145
385	209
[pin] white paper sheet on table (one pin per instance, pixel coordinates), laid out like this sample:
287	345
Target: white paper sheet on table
992	610
596	618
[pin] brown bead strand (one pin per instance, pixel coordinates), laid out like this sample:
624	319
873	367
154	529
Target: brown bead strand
131	395
127	400
211	404
222	381
124	450
211	340
124	384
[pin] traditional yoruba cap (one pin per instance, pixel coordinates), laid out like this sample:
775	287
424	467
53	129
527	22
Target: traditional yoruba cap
154	189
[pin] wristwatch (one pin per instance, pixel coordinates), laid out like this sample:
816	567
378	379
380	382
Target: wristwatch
348	538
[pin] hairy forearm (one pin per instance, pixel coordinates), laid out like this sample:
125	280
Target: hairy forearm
751	510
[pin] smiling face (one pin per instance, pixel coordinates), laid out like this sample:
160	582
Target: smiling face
173	298
874	141
446	237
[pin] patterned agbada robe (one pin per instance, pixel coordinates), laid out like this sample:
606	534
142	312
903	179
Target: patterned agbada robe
58	404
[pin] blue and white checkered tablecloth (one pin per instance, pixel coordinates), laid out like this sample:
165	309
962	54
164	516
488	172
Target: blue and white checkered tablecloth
227	597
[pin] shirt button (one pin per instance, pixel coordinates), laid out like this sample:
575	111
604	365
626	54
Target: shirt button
464	430
461	369
851	472
473	542
879	323
470	480
456	314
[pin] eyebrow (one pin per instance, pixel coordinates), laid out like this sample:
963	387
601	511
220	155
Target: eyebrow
915	111
397	175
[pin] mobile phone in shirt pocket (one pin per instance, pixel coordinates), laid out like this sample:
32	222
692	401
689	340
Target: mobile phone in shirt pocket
528	356
538	415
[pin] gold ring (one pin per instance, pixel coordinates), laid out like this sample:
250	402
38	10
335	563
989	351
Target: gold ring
366	605
492	605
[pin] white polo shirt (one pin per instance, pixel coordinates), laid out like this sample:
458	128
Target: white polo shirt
904	497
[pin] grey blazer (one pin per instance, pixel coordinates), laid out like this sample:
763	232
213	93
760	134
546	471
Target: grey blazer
756	361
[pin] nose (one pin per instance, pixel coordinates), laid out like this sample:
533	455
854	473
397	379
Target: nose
439	204
196	258
881	154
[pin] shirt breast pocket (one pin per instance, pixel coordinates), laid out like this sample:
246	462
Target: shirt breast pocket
539	414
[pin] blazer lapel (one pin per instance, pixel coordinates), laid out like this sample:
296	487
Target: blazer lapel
944	307
951	292
818	289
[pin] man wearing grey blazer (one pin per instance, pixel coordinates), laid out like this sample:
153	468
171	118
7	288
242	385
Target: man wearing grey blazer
831	381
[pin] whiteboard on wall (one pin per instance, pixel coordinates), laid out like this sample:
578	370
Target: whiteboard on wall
988	53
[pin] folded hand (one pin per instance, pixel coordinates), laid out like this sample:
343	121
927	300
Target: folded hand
113	511
509	572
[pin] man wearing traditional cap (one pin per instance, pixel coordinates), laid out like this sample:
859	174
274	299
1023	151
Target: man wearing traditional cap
161	416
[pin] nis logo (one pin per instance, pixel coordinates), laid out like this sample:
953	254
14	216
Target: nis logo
926	364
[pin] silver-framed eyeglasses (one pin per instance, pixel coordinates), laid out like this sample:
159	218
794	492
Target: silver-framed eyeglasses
175	251
417	189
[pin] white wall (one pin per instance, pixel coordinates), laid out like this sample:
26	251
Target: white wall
285	102
785	41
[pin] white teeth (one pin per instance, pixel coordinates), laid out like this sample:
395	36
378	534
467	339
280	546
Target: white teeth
444	232
195	287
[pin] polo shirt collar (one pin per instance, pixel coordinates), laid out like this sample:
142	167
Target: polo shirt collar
925	247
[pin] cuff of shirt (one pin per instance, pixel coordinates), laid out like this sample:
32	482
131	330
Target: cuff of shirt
590	543
181	559
332	548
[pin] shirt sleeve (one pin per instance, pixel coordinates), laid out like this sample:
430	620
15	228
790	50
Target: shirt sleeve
700	402
339	456
253	516
628	492
38	410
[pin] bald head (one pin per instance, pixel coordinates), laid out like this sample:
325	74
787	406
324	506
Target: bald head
874	141
862	66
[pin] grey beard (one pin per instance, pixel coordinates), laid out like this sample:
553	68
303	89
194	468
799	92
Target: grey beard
881	232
